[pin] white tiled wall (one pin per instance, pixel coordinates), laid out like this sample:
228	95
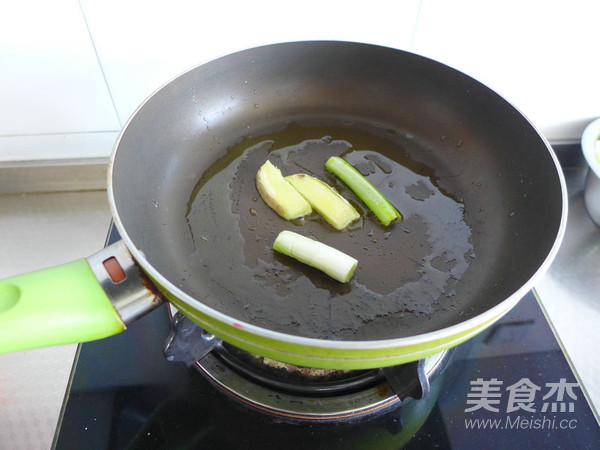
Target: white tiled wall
540	55
50	82
141	44
78	69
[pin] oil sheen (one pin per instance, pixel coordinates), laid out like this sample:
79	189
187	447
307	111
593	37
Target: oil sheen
406	271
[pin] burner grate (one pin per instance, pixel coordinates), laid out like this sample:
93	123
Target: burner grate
294	379
299	392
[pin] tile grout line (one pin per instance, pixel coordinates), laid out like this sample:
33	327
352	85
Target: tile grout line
59	133
112	100
414	32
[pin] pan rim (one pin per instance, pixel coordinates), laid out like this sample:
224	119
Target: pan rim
495	312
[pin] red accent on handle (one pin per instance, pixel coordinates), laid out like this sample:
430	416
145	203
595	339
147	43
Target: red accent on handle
114	269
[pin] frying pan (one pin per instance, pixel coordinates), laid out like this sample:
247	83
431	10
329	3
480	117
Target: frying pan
482	195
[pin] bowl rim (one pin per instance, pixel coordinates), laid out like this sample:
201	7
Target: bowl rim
590	135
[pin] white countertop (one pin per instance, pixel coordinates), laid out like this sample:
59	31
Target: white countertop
39	231
570	290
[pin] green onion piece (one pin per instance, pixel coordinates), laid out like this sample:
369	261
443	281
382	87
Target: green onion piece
375	201
333	262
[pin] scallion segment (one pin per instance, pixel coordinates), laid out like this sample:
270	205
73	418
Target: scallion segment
375	201
333	262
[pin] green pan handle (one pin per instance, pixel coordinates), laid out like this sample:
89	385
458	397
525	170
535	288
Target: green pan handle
80	301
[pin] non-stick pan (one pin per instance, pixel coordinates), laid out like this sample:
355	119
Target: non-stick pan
481	193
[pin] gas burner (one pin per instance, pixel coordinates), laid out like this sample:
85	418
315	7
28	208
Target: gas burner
297	392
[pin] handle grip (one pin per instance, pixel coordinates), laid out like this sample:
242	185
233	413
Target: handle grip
59	305
80	301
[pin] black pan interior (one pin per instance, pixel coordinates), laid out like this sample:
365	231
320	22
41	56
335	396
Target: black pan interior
477	185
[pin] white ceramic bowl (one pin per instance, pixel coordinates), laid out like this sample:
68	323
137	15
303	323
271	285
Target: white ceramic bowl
591	193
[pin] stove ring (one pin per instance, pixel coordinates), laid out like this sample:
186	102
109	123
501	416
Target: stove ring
372	400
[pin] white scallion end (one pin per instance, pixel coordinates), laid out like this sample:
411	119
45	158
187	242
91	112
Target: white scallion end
329	260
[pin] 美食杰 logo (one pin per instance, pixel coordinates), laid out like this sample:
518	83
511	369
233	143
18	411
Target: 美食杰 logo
544	406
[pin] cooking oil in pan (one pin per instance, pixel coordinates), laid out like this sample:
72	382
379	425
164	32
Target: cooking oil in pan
406	271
